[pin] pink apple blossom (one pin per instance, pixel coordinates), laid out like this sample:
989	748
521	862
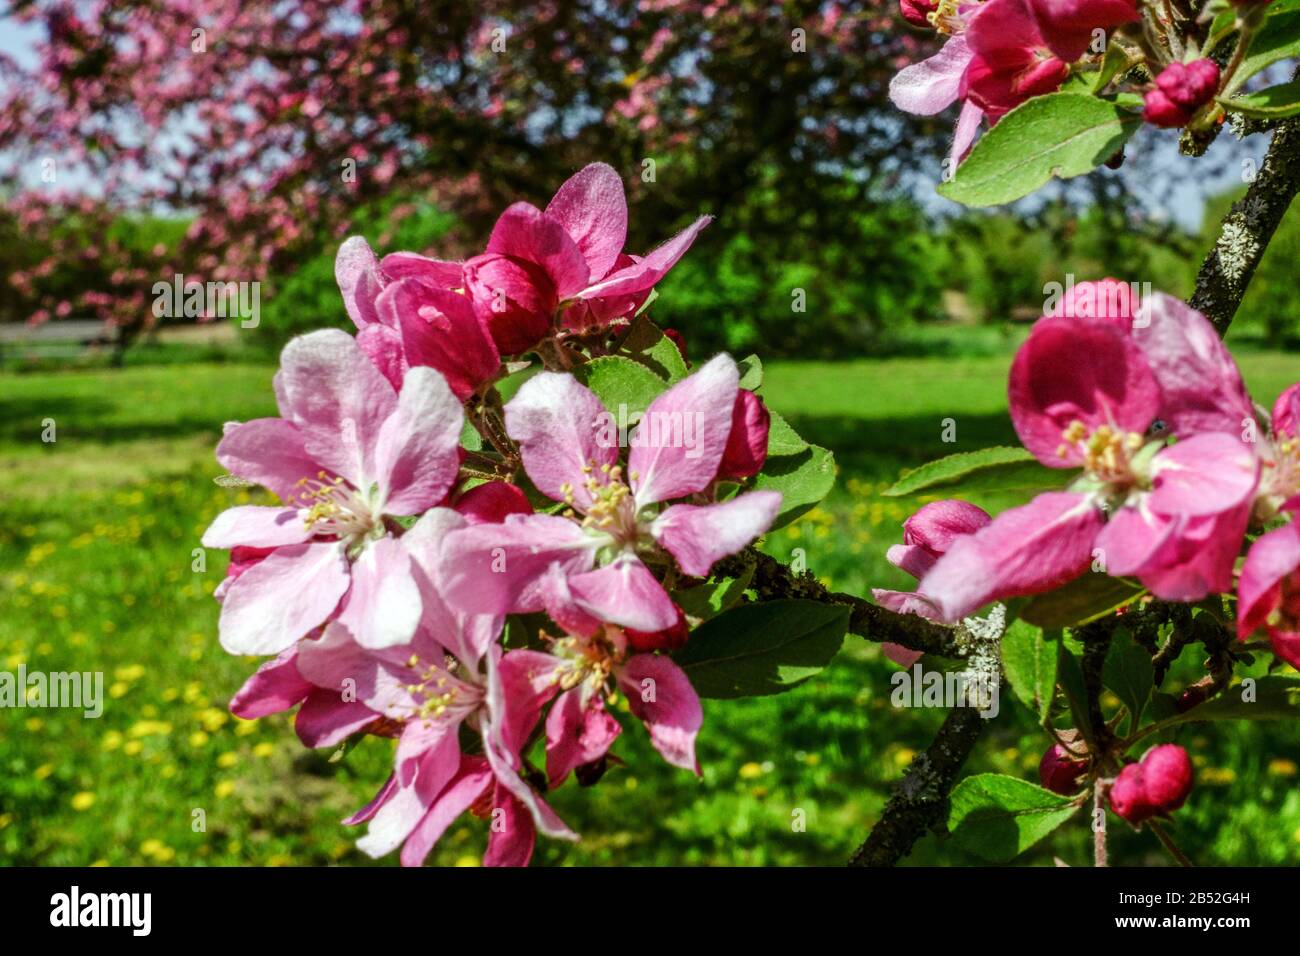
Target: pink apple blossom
348	452
615	521
1083	394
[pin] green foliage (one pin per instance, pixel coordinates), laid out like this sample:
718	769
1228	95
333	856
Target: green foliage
1029	658
1275	102
1060	135
1001	468
759	649
997	818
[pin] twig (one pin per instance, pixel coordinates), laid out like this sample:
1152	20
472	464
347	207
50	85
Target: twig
1099	857
921	799
773	580
1169	844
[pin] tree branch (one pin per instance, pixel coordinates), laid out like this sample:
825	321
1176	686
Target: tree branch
1246	230
920	801
773	580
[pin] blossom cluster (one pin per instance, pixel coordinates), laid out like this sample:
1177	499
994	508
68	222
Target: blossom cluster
1170	474
384	580
997	54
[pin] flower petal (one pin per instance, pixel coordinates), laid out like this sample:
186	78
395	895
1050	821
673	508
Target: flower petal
275	687
525	232
357	272
592	208
283	597
417	455
338	400
699	535
563	430
268	451
1026	550
496	568
1203	475
442	330
577	735
473	777
624	593
659	693
256	526
645	272
1078	370
382	608
683	434
1274	557
326	720
931	86
1202	388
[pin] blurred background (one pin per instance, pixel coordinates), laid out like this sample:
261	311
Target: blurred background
241	141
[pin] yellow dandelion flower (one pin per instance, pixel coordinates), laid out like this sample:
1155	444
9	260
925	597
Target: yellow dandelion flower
83	801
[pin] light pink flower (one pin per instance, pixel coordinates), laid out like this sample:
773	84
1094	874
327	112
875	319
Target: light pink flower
349	452
926	536
570	450
591	661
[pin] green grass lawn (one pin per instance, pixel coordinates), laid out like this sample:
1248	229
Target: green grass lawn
98	573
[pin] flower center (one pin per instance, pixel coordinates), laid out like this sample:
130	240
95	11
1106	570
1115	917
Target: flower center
1108	453
945	18
332	506
438	690
1280	478
591	659
612	510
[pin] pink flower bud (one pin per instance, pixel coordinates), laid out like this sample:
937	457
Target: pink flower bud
747	444
1128	796
916	12
1168	777
1161	111
1190	85
1060	770
1181	89
669	639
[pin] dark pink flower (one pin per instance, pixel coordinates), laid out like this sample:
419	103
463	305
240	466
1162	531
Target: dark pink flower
747	444
1268	593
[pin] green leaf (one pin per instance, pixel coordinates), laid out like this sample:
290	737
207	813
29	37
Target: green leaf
1029	658
1086	598
781	438
1128	672
470	439
1000	468
621	381
759	649
1061	135
751	372
645	344
1275	697
708	600
997	817
1277	39
1276	102
803	480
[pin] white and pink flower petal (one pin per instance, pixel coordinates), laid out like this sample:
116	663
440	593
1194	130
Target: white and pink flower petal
660	694
680	441
699	535
283	597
